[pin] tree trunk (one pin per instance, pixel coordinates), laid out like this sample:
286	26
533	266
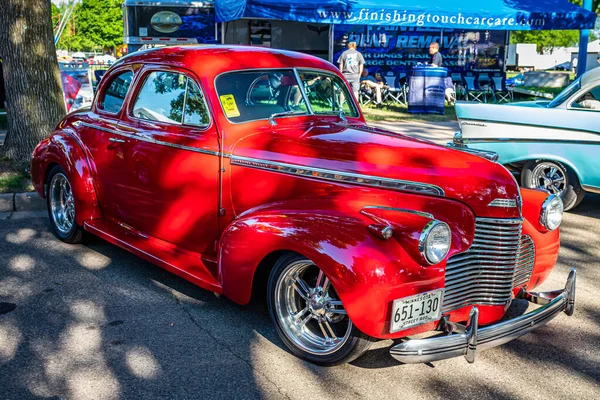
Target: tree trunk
34	98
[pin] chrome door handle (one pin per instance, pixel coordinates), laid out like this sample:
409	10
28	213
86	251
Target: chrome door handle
116	140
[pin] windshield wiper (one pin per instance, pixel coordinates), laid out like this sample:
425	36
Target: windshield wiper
282	114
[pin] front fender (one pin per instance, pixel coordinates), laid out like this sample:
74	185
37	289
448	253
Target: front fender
64	149
368	273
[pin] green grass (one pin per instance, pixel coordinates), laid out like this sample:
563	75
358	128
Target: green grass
398	112
13	177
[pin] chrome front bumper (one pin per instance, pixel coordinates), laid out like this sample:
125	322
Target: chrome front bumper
474	338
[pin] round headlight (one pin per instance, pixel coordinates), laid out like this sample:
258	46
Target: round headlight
552	212
434	242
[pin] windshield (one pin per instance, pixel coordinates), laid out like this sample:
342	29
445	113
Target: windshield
260	94
565	94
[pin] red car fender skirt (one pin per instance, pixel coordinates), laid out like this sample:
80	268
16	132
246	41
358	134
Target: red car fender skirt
368	273
64	149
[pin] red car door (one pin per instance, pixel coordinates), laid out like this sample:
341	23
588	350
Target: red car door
106	147
172	163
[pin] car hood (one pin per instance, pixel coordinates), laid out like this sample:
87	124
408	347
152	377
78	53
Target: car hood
363	150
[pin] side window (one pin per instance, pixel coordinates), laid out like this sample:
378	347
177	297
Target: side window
161	98
589	101
114	95
196	112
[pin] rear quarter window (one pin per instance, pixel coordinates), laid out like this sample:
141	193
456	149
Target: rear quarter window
113	97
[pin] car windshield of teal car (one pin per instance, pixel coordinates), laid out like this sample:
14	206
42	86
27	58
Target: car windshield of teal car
565	94
264	94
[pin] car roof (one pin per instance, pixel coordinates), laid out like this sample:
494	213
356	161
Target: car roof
591	76
213	60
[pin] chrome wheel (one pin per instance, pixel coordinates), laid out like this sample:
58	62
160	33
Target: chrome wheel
549	176
309	310
62	205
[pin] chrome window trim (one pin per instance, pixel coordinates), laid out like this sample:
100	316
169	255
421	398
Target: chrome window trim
338	176
118	72
145	74
303	91
150	140
357	109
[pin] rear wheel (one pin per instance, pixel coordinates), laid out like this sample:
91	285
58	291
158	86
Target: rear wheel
61	207
309	316
555	178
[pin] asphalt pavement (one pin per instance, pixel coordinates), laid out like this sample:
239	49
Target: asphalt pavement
95	322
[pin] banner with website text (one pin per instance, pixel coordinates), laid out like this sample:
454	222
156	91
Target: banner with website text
465	14
399	49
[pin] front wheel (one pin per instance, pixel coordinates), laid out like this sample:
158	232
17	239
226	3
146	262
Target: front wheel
555	178
309	316
61	207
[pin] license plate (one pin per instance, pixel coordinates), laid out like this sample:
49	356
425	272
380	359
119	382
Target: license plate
416	310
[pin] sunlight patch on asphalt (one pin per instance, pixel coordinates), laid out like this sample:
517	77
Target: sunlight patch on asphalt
142	363
21	263
22	236
87	311
15	288
10	338
93	261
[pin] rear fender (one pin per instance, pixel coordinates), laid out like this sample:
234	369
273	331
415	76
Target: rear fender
64	149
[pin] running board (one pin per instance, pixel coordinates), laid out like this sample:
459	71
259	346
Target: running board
185	264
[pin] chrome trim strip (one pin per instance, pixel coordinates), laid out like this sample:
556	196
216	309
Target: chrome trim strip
404	210
150	140
488	155
338	176
518	140
508	203
591	189
466	343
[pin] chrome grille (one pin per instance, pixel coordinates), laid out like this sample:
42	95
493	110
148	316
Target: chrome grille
524	266
484	274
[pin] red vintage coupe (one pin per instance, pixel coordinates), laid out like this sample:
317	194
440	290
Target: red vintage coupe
244	169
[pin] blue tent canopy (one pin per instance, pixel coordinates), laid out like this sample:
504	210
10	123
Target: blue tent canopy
463	14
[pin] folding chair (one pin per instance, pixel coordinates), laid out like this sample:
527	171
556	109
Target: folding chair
473	90
366	95
459	88
395	91
501	91
485	84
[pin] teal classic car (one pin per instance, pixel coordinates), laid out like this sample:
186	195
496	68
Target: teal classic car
553	145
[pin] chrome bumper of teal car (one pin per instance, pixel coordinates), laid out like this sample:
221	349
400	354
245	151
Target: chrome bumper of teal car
474	338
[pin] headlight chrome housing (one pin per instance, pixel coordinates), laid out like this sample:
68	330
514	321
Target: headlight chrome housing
434	242
552	212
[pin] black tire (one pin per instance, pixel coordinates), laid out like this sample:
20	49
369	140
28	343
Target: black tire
572	194
73	235
356	344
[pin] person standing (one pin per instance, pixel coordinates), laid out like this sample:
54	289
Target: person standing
436	58
351	64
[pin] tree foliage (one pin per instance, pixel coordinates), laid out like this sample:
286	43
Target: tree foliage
94	25
547	40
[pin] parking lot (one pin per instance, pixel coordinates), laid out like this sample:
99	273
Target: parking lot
93	321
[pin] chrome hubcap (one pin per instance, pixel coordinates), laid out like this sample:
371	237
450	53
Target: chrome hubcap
62	204
550	177
309	310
